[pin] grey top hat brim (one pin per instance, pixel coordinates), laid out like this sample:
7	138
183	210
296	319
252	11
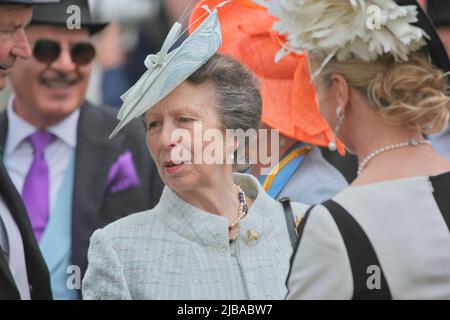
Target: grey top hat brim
28	2
92	27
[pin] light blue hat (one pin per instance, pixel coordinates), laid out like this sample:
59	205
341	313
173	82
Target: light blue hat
166	71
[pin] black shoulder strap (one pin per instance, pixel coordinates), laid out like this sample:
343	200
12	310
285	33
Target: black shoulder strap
290	222
441	188
363	259
299	233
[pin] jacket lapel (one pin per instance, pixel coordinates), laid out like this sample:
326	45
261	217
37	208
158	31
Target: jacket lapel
95	154
3	131
7	278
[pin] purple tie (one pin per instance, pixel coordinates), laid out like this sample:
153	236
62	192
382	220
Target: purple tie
36	187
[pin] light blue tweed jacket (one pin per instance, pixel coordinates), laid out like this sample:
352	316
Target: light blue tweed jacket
177	251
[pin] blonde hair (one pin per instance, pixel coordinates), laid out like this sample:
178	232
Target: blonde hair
412	94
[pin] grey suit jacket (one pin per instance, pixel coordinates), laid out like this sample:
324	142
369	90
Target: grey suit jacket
93	205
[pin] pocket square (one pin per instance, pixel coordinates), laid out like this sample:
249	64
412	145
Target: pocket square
122	174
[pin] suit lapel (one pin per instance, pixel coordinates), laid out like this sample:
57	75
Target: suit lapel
3	131
4	267
5	194
95	154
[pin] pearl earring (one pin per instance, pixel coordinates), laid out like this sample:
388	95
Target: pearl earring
332	146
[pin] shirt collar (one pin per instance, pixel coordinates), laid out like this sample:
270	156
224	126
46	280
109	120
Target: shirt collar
19	129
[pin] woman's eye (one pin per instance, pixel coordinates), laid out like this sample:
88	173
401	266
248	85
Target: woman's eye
152	124
186	120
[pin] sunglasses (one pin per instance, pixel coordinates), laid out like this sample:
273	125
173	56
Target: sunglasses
47	51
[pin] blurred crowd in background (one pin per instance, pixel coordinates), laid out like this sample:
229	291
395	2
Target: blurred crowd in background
137	29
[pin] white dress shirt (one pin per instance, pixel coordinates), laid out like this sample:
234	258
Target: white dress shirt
18	155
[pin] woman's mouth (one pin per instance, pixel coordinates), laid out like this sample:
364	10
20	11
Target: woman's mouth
172	167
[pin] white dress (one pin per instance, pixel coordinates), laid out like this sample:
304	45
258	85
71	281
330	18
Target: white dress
407	223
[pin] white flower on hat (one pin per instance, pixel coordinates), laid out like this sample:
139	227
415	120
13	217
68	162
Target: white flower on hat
339	28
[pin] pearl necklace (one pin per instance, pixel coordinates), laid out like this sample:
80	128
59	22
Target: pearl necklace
412	143
242	212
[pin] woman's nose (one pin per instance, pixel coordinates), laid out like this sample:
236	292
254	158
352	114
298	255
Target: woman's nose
167	139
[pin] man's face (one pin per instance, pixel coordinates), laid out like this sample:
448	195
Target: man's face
46	93
13	41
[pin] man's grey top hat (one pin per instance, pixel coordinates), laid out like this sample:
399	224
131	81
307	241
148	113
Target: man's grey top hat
58	14
439	12
28	2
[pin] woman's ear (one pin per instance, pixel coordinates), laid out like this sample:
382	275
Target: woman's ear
342	90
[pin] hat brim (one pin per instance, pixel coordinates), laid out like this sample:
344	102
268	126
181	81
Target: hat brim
29	2
93	28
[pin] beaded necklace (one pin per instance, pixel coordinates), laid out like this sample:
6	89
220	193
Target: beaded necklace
242	212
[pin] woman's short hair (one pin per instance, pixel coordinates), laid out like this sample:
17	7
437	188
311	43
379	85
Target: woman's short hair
239	98
412	94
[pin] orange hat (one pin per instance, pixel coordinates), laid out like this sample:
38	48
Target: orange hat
289	98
